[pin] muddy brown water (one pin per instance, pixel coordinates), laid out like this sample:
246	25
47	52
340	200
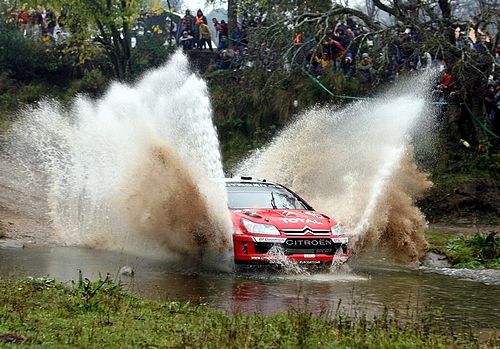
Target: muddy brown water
367	287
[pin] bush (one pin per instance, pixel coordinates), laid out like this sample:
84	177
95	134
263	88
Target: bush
19	57
474	251
149	53
93	83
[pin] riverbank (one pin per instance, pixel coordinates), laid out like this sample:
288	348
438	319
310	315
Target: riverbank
46	314
466	247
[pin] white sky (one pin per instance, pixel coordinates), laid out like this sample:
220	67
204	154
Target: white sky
194	5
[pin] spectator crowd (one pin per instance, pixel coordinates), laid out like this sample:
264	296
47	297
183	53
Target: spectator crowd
375	58
42	24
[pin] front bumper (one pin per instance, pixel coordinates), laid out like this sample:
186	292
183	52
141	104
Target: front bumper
303	250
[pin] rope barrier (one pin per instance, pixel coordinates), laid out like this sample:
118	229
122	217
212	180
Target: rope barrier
473	117
313	78
482	125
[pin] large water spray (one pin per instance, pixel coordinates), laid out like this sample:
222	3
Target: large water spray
356	165
133	170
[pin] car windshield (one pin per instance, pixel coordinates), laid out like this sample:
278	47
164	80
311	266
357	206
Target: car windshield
261	195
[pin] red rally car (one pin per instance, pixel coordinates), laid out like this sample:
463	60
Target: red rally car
272	223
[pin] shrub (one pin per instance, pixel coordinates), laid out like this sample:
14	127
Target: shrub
474	251
93	83
149	52
19	56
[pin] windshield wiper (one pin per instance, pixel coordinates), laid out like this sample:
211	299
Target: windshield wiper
273	201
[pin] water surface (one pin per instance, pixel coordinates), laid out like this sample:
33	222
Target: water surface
367	288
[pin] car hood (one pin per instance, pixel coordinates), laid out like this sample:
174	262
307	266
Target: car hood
287	219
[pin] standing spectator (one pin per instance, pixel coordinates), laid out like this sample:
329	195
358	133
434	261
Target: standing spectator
334	49
186	24
496	122
198	19
237	37
446	82
236	60
205	36
490	103
223	44
51	22
348	64
23	21
218	28
365	68
35	26
392	69
61	20
42	21
224	28
317	64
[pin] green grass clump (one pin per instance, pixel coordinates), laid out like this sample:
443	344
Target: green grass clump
45	314
467	251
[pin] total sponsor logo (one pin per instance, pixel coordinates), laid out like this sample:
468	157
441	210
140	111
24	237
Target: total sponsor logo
299	220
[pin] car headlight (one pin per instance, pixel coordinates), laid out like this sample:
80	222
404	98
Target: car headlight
257	228
338	230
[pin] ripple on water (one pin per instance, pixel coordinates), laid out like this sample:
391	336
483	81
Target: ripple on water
486	276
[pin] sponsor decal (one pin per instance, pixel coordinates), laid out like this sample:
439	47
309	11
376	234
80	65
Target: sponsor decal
264	258
313	214
287	213
299	220
309	262
268	239
240	184
343	240
309	255
323	250
308	242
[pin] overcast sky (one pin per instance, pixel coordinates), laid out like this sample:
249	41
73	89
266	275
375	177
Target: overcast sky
194	5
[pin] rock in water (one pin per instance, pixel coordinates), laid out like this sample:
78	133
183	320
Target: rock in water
11	244
127	271
436	260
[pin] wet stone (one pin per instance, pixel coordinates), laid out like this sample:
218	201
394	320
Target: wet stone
127	271
436	260
11	244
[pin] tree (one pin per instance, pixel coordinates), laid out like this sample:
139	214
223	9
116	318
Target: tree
105	22
111	22
432	26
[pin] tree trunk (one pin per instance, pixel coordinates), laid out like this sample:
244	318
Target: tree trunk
232	19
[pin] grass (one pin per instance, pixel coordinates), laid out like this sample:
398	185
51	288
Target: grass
481	250
43	313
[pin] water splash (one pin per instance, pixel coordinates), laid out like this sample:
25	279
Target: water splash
355	165
132	170
287	266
